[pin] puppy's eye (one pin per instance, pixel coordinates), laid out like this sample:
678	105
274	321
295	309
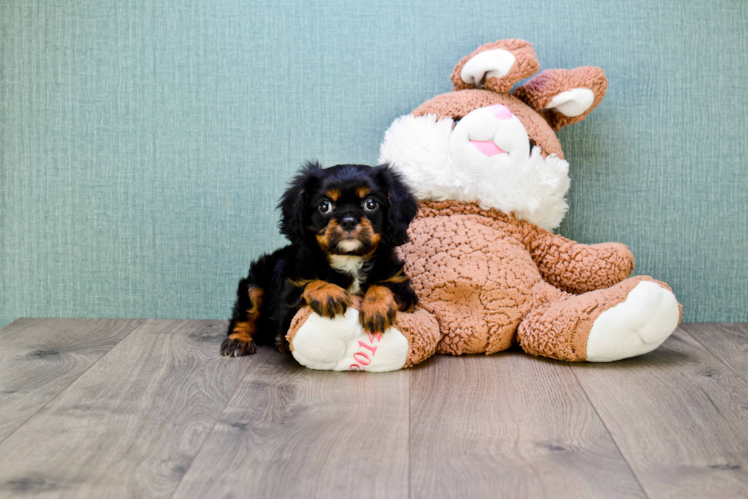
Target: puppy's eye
326	207
370	205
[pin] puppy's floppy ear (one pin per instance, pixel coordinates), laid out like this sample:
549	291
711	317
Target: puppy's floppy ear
403	206
293	203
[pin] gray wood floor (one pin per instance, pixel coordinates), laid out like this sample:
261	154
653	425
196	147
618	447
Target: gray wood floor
148	408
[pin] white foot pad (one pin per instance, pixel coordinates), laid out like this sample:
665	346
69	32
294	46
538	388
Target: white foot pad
636	326
341	344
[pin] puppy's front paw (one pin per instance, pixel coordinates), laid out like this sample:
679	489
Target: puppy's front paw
378	309
407	302
237	345
326	299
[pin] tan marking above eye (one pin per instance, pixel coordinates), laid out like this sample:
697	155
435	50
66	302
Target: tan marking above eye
362	192
333	194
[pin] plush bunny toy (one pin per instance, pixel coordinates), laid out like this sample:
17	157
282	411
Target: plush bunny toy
490	176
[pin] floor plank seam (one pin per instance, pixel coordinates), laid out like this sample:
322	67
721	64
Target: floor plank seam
410	420
714	355
205	440
605	426
135	327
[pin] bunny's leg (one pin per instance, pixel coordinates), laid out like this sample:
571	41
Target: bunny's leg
628	319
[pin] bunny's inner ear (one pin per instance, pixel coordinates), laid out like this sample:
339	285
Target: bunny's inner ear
494	63
496	66
574	102
564	96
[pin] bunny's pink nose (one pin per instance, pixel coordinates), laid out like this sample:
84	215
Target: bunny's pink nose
500	111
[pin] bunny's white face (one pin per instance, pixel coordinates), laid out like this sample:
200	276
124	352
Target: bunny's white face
485	158
488	141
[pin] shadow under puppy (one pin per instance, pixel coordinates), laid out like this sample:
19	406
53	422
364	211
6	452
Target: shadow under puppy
344	223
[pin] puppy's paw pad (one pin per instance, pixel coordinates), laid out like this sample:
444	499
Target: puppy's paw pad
235	347
326	299
638	325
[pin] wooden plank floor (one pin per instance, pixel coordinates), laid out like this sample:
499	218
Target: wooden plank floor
133	408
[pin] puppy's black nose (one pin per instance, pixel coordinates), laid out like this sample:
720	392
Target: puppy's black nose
348	223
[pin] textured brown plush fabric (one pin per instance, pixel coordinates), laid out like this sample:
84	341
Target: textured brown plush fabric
541	90
422	331
559	326
302	316
482	272
525	64
485	281
577	268
457	104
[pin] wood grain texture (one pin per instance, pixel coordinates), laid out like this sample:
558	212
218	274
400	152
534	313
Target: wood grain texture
293	432
509	425
678	415
131	425
157	412
727	341
41	357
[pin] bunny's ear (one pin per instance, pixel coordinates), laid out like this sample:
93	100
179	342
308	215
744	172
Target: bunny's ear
564	96
496	66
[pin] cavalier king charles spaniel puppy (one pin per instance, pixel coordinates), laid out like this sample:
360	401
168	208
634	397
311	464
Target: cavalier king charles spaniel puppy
344	223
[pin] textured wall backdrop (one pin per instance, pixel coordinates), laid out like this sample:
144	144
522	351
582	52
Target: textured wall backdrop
143	144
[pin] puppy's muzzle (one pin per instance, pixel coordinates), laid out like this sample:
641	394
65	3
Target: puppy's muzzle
348	223
351	235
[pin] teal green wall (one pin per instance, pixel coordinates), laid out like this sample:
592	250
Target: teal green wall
143	144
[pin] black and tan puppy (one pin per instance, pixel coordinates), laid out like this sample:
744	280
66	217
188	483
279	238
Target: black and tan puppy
344	223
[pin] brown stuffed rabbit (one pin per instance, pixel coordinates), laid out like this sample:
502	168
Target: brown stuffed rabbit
491	179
